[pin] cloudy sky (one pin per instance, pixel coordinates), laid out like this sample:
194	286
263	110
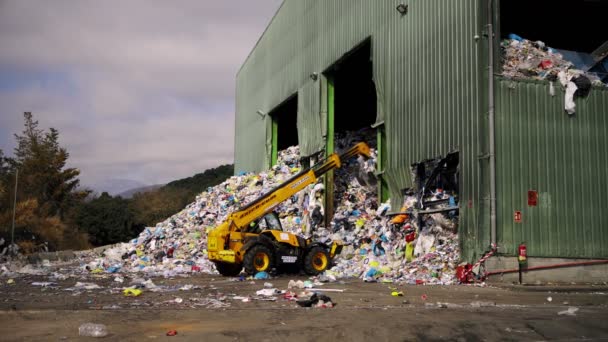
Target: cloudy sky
140	90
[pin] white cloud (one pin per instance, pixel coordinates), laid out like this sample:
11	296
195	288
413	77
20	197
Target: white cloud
138	89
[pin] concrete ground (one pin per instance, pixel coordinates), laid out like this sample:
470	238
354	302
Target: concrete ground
364	312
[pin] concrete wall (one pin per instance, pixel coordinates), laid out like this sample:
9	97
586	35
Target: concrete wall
578	274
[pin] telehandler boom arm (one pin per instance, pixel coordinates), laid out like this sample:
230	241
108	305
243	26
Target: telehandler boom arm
267	202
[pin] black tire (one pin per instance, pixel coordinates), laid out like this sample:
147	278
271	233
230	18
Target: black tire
258	259
316	261
228	270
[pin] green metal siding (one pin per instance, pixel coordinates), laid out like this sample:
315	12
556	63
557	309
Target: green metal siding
429	71
539	147
310	127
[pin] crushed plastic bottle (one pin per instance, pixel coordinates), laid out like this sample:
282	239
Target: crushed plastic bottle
93	330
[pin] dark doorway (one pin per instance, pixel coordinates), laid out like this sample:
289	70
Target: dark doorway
355	92
351	113
284	126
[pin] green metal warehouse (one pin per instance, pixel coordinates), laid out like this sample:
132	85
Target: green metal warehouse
437	88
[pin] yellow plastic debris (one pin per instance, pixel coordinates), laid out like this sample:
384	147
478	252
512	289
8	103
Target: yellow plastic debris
132	292
397	294
409	251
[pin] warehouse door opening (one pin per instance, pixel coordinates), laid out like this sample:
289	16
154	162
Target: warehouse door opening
355	92
284	126
351	113
573	28
434	198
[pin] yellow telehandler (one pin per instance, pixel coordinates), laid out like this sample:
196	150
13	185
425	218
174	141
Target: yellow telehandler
252	236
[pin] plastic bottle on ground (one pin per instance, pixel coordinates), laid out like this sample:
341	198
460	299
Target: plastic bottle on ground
93	330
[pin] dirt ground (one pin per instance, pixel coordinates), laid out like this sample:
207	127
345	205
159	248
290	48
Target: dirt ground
364	312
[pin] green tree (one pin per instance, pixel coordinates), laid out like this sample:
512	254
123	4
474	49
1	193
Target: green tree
152	207
42	169
106	220
4	171
47	191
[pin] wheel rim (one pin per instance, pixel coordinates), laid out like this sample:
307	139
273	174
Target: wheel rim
261	261
319	261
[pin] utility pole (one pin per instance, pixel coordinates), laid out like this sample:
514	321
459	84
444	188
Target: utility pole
14	207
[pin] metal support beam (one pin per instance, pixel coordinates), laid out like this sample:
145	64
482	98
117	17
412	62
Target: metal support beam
329	149
491	124
274	156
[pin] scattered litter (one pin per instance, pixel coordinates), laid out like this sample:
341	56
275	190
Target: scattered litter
209	303
171	332
86	286
10	281
480	304
570	312
397	294
549	299
261	275
316	300
312	289
132	292
266	292
93	330
43	283
295	284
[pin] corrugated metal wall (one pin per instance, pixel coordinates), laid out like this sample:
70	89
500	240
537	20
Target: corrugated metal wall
305	36
429	73
565	158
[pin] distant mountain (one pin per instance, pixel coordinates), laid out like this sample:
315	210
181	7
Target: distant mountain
129	193
116	186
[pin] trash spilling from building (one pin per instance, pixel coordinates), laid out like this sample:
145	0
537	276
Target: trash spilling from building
417	244
575	71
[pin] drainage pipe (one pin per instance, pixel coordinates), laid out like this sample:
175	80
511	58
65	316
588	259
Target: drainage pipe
491	124
546	267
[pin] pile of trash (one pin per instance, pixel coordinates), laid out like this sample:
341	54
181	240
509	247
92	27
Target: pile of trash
377	248
534	60
178	244
413	247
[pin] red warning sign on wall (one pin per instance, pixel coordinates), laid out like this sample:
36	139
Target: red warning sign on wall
517	217
532	198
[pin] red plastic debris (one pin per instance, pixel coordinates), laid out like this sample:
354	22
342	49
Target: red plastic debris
546	64
424	296
171	332
196	268
410	237
463	273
